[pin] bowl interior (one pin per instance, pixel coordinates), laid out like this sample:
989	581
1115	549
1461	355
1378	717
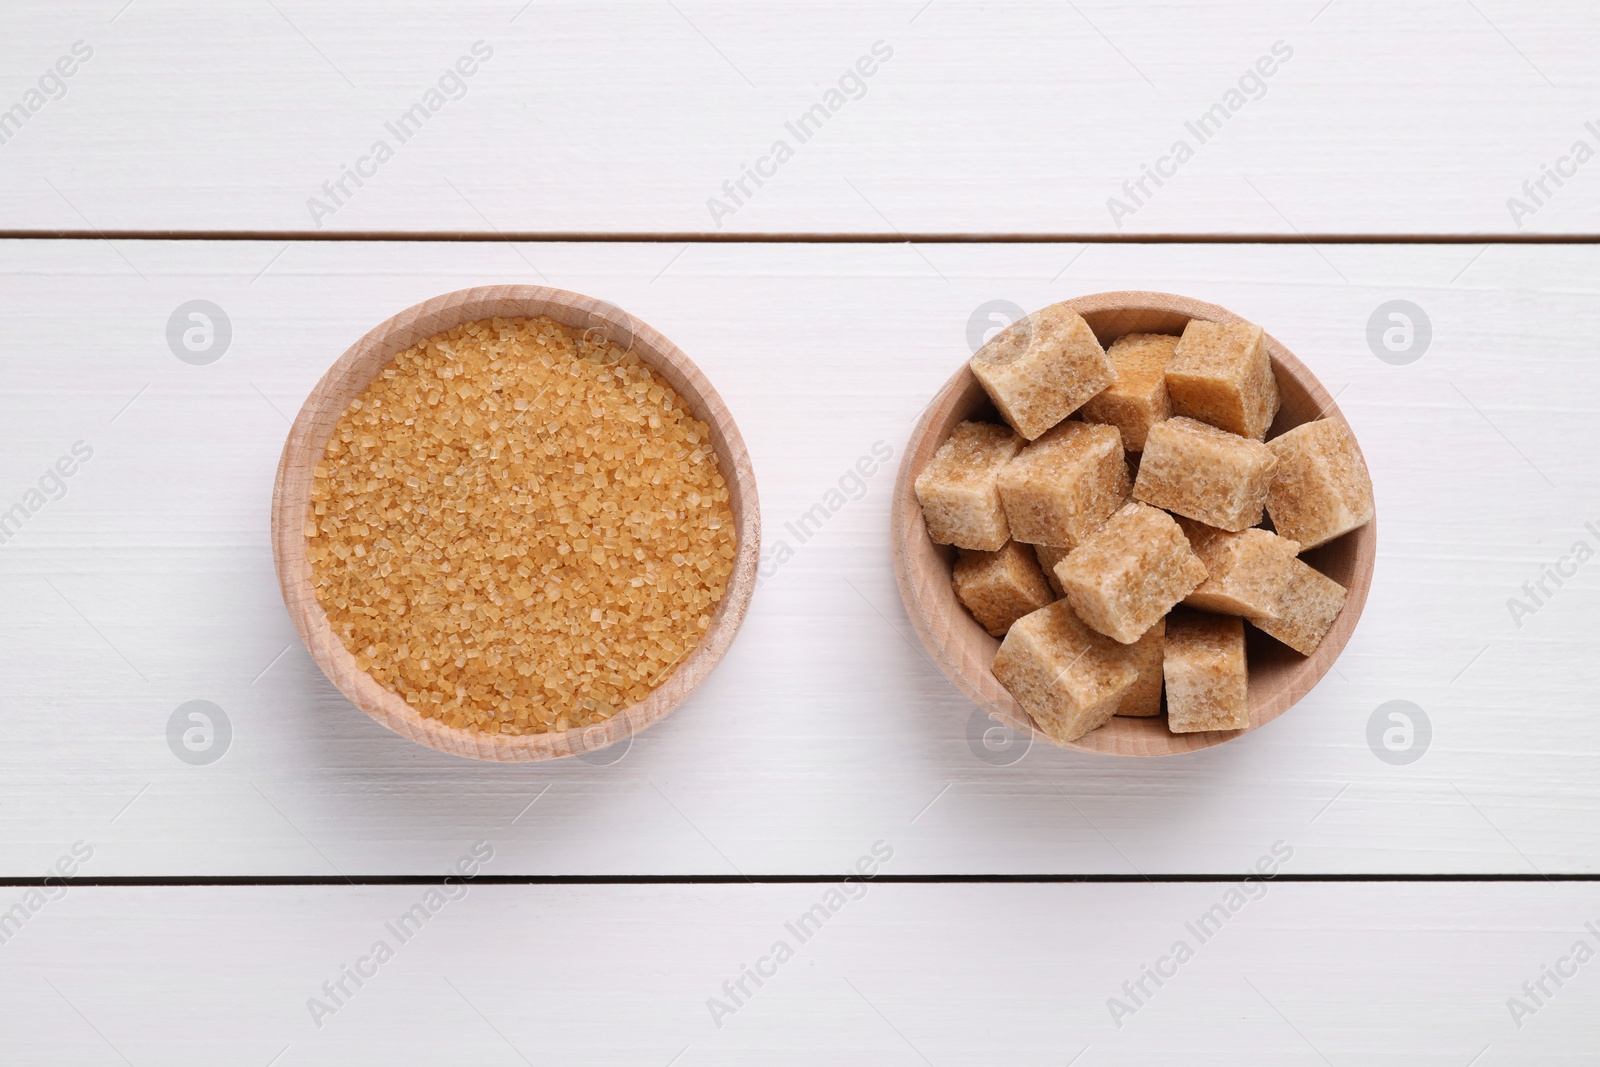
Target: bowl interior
349	377
1279	676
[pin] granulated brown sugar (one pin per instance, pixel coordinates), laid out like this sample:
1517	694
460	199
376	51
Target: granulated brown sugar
518	529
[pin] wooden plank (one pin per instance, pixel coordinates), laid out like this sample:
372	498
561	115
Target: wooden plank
150	584
645	117
892	974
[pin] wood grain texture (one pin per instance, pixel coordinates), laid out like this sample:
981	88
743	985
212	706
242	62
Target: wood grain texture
964	651
151	582
1420	117
903	975
349	377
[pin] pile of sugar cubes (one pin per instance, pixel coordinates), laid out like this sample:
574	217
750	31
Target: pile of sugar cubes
1108	587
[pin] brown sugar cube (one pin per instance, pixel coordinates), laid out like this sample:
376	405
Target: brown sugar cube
1206	474
1143	698
1049	556
1065	675
960	504
1130	572
1306	605
1000	587
1221	374
1246	572
1042	368
1138	399
1321	488
1205	672
1259	575
1060	487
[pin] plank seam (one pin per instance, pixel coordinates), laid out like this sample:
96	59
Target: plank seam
158	881
645	237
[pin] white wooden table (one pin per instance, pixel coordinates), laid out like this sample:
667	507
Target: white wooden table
1355	155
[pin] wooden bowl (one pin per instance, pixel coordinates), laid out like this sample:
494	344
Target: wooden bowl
1279	676
349	377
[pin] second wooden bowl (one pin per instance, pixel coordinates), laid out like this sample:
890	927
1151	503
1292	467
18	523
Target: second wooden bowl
1279	676
350	376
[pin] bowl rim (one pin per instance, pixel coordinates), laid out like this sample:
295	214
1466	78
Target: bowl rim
349	376
920	593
